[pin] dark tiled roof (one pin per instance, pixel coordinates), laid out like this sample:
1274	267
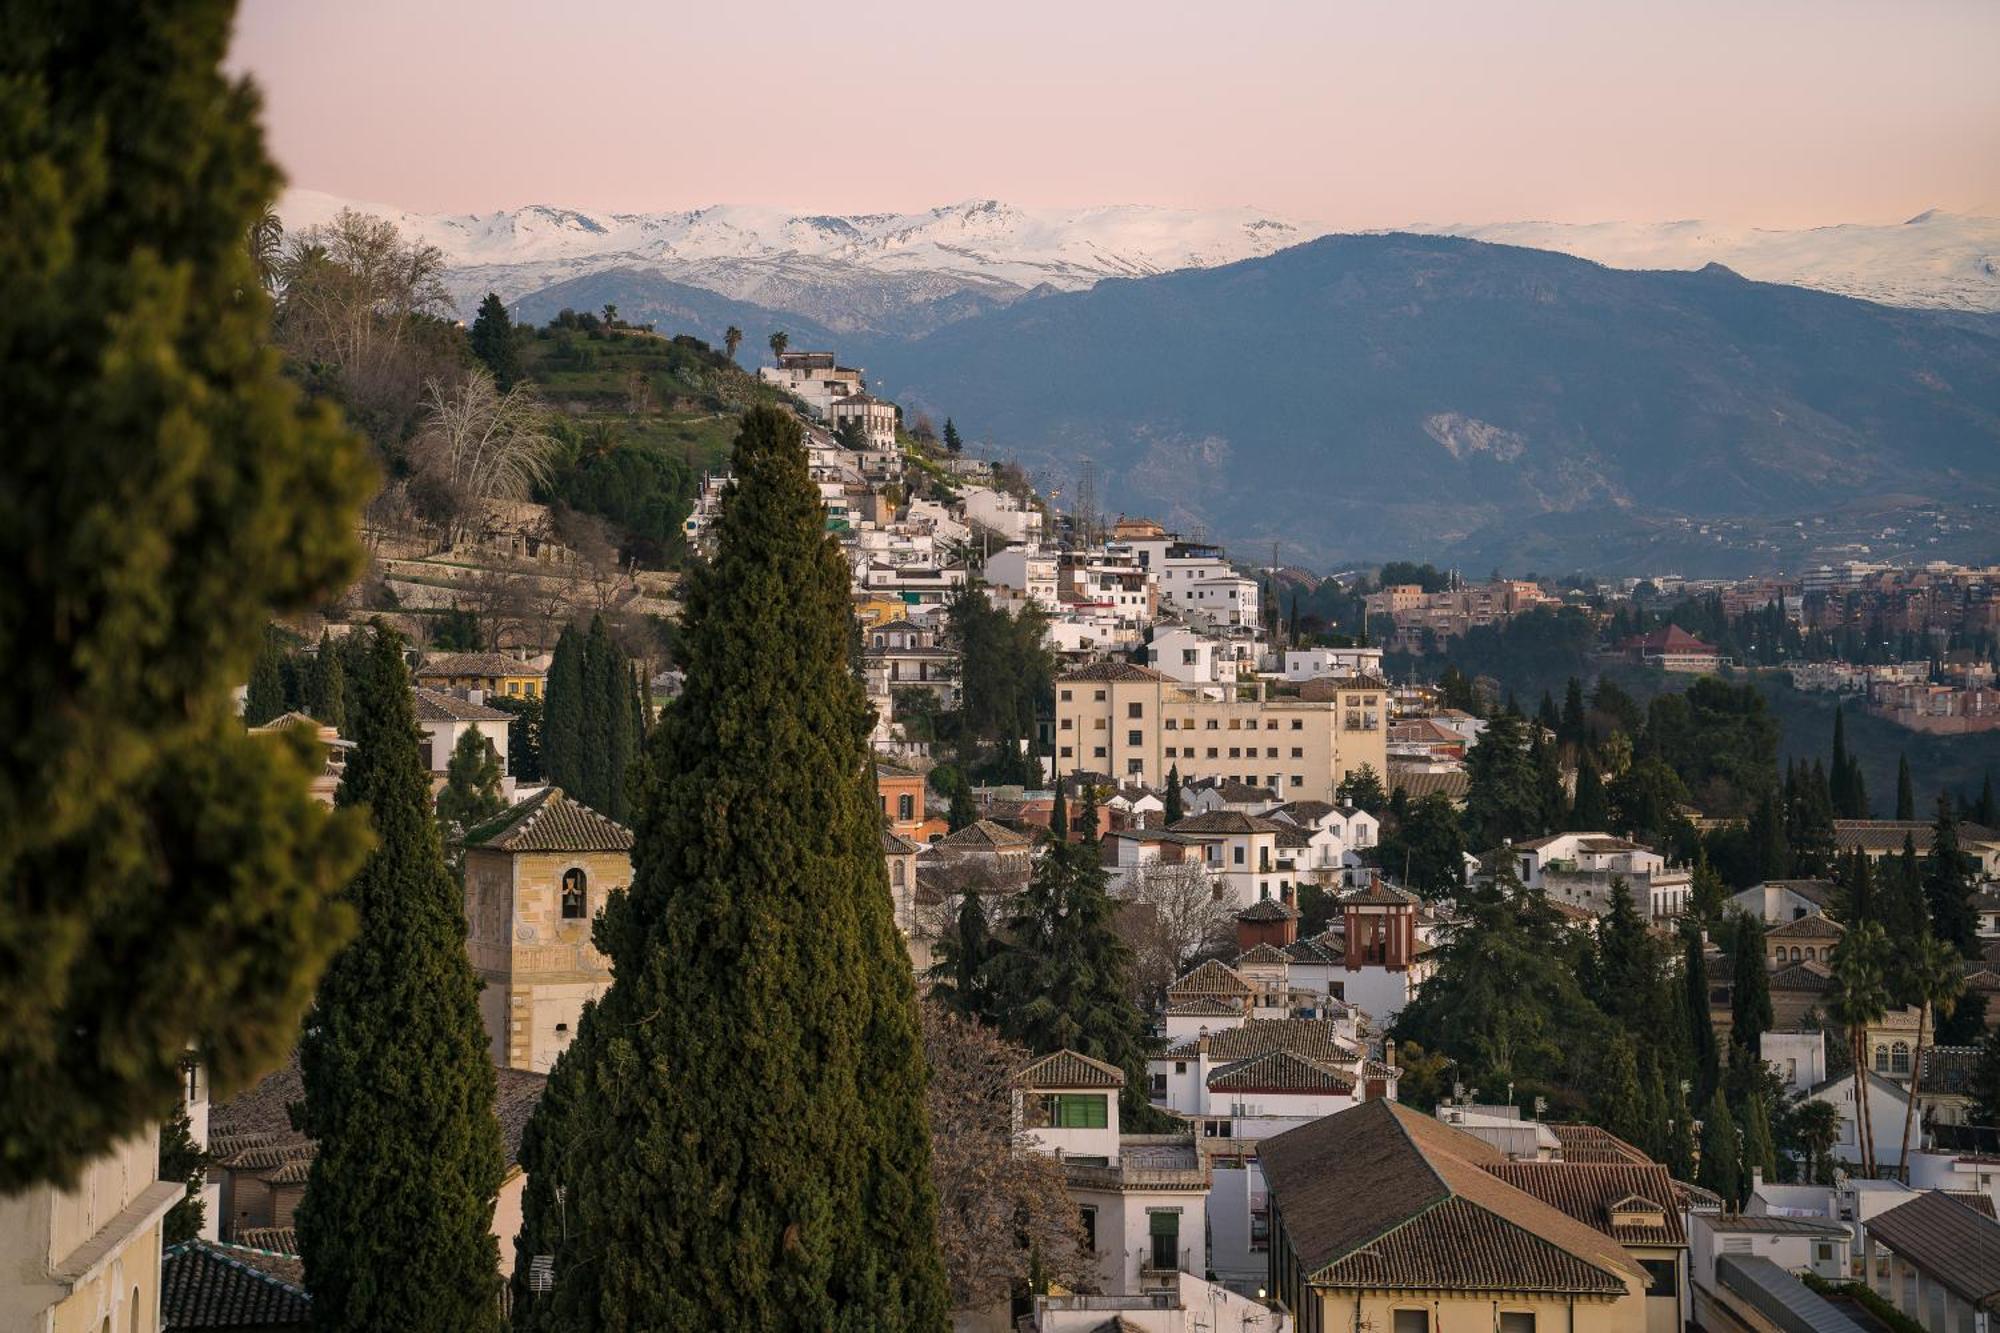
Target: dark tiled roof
476	664
207	1285
1886	835
437	706
1227	821
1070	1069
1591	1192
1416	784
551	822
1811	927
1268	909
984	833
1302	813
1278	1071
1810	977
1263	953
895	844
1592	1143
1314	1038
519	1092
1204	1008
1327	947
272	1240
1948	1069
1211	978
1294	837
1379	893
1112	671
1768	1224
1947	1239
1383	1196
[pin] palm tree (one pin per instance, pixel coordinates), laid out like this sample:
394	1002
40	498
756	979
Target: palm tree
1935	974
267	247
779	341
1817	1127
732	338
610	316
1860	996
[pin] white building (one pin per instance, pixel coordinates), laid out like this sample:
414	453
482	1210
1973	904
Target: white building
1191	1306
1777	901
445	718
1799	1057
1579	869
1887	1103
1303	664
1220	600
1028	570
1183	655
1143	1197
814	377
998	511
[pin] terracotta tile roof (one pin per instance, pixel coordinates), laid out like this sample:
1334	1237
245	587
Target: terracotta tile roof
1111	671
1314	1038
1263	953
895	844
1205	1008
1592	1192
984	834
1417	784
437	706
1948	1070
518	1094
1812	927
1211	978
272	1240
1593	1143
1949	1241
442	665
1294	837
1379	893
1383	1196
1886	835
1070	1069
1696	1199
1279	1071
204	1284
1268	909
1302	813
551	822
1326	947
1808	977
1227	821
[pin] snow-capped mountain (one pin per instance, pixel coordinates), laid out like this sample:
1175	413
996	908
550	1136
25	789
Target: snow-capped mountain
853	271
904	273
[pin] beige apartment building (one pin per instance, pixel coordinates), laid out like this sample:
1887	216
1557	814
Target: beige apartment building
1137	725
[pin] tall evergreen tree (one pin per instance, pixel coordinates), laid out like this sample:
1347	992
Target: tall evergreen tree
472	780
1503	799
167	878
181	1158
1760	1153
1680	1134
1656	1138
611	725
1721	1151
492	340
265	699
1750	1014
751	1087
396	1227
1574	728
1948	885
326	688
1172	796
962	812
1987	813
563	741
1591	810
959	978
1701	1029
1906	794
1706	893
1770	853
952	442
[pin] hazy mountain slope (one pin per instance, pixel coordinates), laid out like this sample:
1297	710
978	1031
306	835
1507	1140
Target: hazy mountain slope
1380	395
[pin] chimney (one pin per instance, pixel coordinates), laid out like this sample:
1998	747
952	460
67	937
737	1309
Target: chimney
475	696
1201	1044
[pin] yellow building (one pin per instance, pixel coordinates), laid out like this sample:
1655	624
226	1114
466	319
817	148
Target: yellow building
1384	1218
1136	725
86	1259
495	673
535	879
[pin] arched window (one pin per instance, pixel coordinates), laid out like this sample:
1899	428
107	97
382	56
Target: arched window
575	894
1795	953
1881	1059
1899	1058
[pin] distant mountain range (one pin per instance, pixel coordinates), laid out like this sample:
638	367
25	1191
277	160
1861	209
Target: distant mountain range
1378	396
905	273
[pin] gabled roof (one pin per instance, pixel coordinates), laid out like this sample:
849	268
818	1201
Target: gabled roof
205	1284
1379	892
1268	909
1812	926
1263	953
1070	1069
1328	946
1383	1196
551	821
1314	1038
1948	1070
1204	1007
1227	821
1211	978
1811	977
437	706
1591	1192
1302	813
895	844
984	835
1279	1071
1596	1145
476	664
1111	671
1949	1241
1417	783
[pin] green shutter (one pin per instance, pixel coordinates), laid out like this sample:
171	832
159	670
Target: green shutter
1164	1224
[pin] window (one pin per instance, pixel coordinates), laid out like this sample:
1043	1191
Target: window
1298	724
1173	724
1135	738
1135	710
1517	1321
1076	1110
1135	767
1065	724
1097	753
1190	657
906	807
1881	1059
1098	695
896	873
1159	1085
1271	725
1180	1066
1066	752
1662	1277
1413	1321
1213	724
1211	752
1270	752
1899	1058
1090	1229
1235	752
1065	696
575	894
1166	1232
1236	855
1298	752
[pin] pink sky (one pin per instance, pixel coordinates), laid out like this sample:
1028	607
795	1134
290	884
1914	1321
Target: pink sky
1353	112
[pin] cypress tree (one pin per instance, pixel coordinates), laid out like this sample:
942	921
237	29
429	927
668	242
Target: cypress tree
1592	809
751	1087
1172	797
611	724
962	812
1680	1136
164	497
959	977
1620	1102
1750	990
952	442
265	699
181	1158
471	793
1656	1139
492	340
1721	1154
1573	730
326	699
562	716
1948	885
396	1227
1988	810
1701	1030
1759	1152
1906	793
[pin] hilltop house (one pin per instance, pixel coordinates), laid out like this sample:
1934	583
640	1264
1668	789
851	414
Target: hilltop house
1579	868
444	718
490	673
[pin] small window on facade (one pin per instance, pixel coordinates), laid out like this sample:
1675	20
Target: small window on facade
575	894
1413	1321
1662	1277
1517	1321
906	807
1135	738
1135	710
1090	1229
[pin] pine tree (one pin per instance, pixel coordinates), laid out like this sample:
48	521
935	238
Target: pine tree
265	699
181	1158
1172	797
1502	800
562	717
760	984
492	340
1906	793
1721	1153
1948	885
396	1227
952	443
472	778
166	498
